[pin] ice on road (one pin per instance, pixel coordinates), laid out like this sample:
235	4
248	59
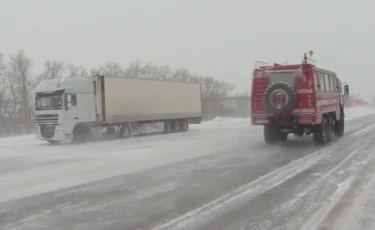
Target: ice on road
218	175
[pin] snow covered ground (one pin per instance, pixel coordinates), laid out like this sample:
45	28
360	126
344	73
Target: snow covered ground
219	175
355	112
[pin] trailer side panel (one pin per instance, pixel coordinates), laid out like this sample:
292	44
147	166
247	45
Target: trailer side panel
132	99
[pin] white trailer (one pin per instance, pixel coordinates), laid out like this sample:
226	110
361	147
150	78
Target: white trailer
71	109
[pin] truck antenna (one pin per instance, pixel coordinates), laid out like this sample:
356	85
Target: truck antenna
304	59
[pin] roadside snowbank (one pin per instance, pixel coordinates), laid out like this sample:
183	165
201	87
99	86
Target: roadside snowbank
225	120
355	112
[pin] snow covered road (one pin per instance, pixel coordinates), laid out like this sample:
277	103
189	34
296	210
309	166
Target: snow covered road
219	175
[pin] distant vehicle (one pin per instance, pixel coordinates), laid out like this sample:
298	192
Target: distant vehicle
73	109
298	98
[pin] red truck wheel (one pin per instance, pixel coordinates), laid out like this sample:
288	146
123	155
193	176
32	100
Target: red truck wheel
269	133
321	132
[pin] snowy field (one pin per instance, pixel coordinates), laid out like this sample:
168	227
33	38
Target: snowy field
218	175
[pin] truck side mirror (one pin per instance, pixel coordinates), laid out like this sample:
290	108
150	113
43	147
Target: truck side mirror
346	89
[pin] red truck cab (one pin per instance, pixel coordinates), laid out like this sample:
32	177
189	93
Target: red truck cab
300	99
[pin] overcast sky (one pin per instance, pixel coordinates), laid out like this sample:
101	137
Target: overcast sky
211	37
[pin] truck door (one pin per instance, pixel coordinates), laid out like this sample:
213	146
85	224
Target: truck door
71	115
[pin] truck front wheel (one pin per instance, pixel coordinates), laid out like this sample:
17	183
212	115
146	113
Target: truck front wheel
81	134
340	125
330	126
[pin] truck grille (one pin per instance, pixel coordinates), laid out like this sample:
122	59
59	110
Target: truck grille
42	119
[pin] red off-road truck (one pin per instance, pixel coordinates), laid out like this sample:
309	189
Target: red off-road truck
300	99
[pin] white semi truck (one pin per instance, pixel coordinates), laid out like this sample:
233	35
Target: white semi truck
74	109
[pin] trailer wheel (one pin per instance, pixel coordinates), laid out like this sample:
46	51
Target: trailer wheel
167	127
125	131
321	131
184	125
175	126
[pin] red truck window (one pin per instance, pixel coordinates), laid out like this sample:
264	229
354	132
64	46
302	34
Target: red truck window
322	83
326	79
316	82
331	84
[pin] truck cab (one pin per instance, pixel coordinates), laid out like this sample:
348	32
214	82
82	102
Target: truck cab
61	105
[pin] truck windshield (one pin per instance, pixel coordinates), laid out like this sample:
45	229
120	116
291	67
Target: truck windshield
49	101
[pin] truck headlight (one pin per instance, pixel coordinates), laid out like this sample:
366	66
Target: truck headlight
59	129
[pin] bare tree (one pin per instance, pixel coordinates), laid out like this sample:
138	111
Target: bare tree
52	70
13	103
182	74
134	69
214	89
196	79
3	100
2	64
96	71
150	70
76	71
164	72
112	69
20	77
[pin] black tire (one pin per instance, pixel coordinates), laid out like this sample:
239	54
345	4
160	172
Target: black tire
80	134
320	133
167	127
340	125
269	132
287	92
329	129
282	136
184	125
125	131
175	126
54	142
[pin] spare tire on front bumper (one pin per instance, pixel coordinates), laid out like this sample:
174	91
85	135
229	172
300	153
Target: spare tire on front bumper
280	97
